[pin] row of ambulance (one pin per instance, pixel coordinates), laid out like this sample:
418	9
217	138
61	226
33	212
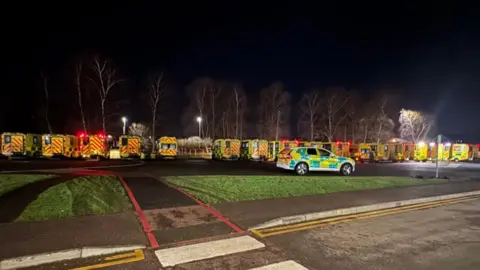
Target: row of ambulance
82	146
232	149
100	145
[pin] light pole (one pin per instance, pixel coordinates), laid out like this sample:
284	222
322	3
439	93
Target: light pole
199	120
124	120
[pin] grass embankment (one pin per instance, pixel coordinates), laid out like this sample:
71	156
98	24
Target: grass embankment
78	197
226	188
10	182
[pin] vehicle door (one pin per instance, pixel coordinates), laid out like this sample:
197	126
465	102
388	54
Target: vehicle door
328	160
314	158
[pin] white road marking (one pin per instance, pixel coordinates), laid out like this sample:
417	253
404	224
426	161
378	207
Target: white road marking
287	265
207	250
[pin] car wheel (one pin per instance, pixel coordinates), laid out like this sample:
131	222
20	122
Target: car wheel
346	169
301	168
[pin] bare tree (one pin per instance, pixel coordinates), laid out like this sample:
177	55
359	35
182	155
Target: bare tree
310	111
383	124
156	93
105	78
274	112
200	106
78	79
138	129
240	99
47	101
333	112
353	113
214	92
414	125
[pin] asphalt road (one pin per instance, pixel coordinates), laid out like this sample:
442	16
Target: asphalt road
44	164
445	237
208	167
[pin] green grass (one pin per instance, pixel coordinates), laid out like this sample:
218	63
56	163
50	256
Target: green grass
10	182
225	188
78	197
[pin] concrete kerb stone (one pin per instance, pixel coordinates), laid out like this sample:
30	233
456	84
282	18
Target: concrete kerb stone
64	255
356	210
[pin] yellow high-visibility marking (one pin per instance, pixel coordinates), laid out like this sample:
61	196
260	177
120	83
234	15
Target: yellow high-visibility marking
352	216
134	256
262	233
120	256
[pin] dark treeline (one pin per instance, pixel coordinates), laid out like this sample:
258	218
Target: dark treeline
95	95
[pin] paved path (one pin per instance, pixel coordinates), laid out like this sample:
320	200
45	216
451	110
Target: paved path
172	215
440	238
26	238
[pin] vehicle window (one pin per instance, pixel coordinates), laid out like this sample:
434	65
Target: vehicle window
324	153
276	145
328	146
124	141
227	144
48	140
374	147
35	139
71	141
217	143
7	139
457	148
406	147
312	151
364	151
385	148
340	146
164	146
86	140
255	145
172	146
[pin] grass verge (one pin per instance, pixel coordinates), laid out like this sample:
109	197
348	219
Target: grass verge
10	182
78	197
226	188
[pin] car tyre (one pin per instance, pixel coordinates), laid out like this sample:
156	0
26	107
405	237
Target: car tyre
301	168
346	169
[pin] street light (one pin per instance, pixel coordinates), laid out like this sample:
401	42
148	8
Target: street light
124	120
199	120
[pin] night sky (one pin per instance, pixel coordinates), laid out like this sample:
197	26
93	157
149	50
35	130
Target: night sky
428	53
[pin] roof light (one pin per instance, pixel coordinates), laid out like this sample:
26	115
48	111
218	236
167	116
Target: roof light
432	144
421	144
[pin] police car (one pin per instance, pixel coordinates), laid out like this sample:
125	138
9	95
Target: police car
305	159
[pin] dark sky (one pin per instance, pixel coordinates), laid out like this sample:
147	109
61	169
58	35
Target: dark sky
428	52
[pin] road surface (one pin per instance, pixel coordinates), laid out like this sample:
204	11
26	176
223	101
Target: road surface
446	237
205	167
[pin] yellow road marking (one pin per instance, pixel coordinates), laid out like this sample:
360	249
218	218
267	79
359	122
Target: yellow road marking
262	233
134	256
120	256
353	216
